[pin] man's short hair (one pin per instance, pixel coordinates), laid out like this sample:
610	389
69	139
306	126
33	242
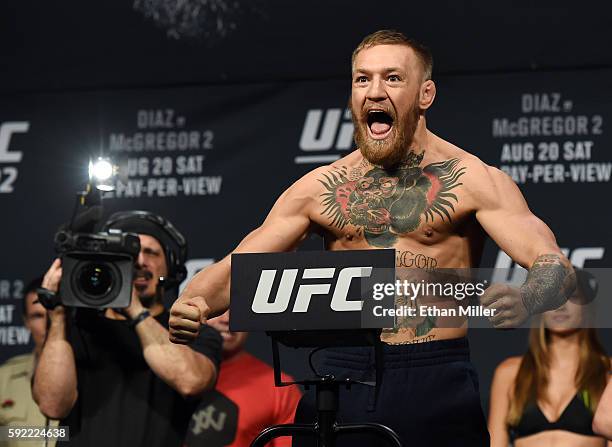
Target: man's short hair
392	37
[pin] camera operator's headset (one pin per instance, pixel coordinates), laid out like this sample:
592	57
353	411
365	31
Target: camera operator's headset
175	256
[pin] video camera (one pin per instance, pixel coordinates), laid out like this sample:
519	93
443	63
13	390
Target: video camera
97	268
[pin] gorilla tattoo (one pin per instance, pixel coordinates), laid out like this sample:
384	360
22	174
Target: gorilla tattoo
385	204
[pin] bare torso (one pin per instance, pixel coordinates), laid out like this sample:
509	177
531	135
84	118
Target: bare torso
423	210
559	438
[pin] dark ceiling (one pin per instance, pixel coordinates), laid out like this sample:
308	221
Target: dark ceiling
119	43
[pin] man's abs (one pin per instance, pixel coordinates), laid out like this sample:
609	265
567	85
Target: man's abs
423	319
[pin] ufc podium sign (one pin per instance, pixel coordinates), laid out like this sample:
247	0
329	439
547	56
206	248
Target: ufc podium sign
308	290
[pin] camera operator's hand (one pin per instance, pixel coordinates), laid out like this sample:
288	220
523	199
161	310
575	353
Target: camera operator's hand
135	308
51	281
53	276
186	316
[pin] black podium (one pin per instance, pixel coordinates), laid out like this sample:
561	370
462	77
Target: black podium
315	300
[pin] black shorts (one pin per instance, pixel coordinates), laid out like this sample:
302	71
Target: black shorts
428	395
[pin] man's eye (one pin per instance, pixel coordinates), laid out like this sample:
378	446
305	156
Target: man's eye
361	79
394	78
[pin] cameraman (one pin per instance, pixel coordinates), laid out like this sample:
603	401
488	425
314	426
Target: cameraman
113	376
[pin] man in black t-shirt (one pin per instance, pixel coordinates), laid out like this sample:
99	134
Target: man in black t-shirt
113	376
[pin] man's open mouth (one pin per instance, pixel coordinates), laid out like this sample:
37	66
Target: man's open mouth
380	124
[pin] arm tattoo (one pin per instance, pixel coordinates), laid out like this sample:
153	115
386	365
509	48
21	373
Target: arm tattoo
549	284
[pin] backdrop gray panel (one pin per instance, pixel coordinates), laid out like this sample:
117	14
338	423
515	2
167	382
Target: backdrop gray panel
214	158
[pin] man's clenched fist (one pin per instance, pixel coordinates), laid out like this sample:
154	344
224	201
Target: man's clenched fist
510	312
186	316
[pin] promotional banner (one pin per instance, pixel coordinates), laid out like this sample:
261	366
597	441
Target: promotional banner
213	160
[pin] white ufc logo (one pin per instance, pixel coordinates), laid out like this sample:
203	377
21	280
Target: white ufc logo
339	301
325	130
6	131
518	275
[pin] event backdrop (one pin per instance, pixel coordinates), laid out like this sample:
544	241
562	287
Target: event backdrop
212	151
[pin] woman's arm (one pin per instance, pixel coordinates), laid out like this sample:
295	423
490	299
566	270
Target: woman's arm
602	421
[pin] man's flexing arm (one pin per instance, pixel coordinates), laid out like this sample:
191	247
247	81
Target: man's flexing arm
207	294
505	216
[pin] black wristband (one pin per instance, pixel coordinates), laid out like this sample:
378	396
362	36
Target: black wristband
49	299
141	316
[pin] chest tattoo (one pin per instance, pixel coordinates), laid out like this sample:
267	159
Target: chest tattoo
384	204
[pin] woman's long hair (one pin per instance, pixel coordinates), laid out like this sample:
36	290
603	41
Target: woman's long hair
532	378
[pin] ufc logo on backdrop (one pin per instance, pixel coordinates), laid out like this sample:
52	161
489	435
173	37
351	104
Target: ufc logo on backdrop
517	274
6	131
193	266
325	130
8	174
339	301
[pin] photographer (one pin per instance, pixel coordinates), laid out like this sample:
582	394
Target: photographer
112	376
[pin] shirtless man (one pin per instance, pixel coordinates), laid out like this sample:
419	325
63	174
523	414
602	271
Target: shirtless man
408	189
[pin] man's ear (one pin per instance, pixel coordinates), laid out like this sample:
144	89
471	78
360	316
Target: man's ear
427	94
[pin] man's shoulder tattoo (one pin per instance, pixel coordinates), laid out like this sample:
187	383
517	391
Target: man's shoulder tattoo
384	204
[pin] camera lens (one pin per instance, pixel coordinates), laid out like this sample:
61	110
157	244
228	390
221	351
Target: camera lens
95	279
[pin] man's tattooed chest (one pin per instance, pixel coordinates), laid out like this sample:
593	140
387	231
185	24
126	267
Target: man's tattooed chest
386	204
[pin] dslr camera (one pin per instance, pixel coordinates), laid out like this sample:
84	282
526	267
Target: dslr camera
98	268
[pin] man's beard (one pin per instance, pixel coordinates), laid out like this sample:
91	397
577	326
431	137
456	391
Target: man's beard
148	300
391	151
